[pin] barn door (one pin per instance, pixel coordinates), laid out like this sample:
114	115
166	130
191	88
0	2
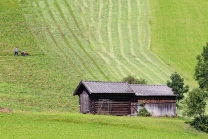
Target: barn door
84	103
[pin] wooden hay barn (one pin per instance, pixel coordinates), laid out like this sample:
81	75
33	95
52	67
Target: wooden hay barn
119	98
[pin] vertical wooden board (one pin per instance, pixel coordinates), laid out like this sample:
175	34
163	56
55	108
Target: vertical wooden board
161	109
84	102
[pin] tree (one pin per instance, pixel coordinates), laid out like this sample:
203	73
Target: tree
195	103
177	85
131	80
201	69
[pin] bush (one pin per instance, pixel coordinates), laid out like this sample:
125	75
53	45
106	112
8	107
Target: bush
132	80
201	123
195	103
143	112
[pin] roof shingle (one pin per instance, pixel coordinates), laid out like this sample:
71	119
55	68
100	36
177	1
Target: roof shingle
152	90
107	87
122	87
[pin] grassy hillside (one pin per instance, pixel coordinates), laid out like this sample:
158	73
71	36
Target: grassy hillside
37	82
69	41
60	125
93	40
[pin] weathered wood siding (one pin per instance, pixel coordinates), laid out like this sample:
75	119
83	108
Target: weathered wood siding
158	105
161	109
112	104
84	102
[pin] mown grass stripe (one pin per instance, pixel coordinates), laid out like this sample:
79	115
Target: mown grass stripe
121	42
72	14
85	3
145	67
112	56
119	28
68	43
144	46
100	22
91	12
57	44
89	42
112	71
93	45
130	28
118	68
109	26
76	69
79	42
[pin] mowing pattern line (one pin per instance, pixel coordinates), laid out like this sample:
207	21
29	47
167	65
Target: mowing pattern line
109	26
65	40
100	23
92	43
108	39
130	33
83	48
90	57
57	44
122	45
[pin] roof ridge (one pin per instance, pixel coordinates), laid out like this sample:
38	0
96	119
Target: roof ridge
104	81
148	84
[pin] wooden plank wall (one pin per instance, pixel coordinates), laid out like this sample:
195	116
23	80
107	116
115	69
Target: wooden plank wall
159	105
84	102
161	109
112	104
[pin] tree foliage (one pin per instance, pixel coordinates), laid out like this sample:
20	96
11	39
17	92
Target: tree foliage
201	123
201	69
177	85
195	103
132	80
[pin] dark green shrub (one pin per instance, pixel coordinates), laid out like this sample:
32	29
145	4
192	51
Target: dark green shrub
201	123
132	80
143	112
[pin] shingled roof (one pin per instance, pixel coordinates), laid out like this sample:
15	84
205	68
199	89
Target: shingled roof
122	87
104	87
152	90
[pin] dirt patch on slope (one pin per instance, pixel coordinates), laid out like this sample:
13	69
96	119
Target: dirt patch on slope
5	110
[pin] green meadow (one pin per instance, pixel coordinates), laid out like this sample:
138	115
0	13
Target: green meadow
20	125
178	30
69	41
